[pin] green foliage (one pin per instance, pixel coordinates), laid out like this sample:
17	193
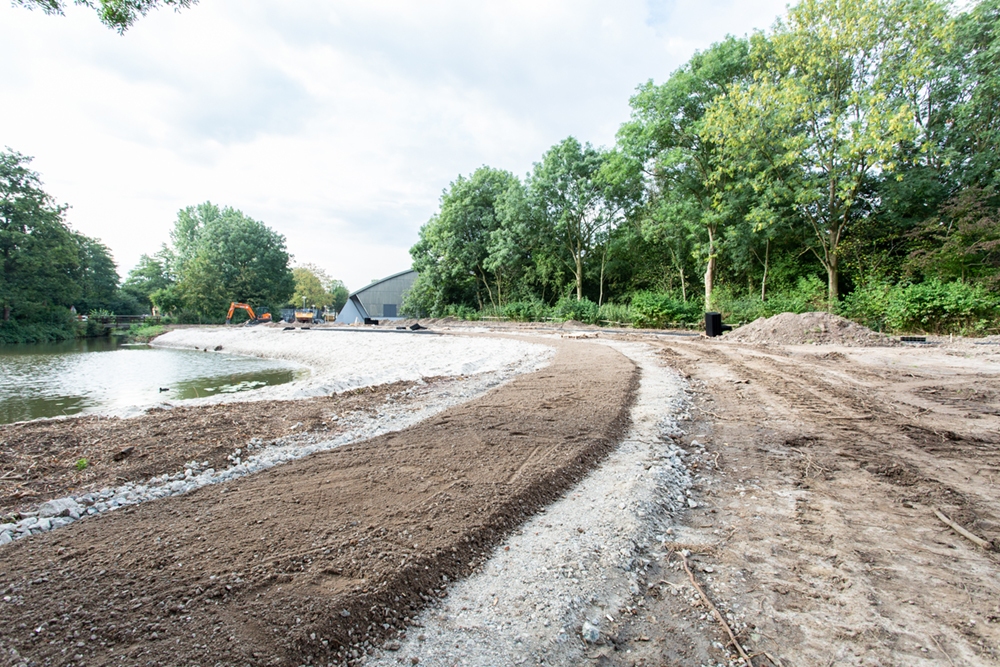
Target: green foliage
81	464
932	306
14	331
655	310
526	311
570	308
218	256
117	14
144	333
807	295
318	288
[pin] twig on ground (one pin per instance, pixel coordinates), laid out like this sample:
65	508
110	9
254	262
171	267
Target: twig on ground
716	613
716	461
941	649
962	531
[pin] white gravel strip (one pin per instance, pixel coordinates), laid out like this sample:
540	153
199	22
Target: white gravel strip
509	359
548	591
342	360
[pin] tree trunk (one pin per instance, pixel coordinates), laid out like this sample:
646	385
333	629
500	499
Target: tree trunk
684	296
710	270
579	278
833	290
6	313
604	262
763	281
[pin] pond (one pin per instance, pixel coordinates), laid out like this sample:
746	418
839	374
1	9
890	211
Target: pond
102	374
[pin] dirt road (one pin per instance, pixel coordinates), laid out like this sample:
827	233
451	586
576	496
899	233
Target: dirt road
819	470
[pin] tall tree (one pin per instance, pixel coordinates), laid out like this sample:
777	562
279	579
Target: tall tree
566	189
39	255
668	138
222	255
451	256
827	110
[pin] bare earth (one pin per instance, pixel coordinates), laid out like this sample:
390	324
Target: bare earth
818	470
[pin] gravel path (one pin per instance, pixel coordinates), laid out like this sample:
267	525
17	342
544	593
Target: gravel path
551	589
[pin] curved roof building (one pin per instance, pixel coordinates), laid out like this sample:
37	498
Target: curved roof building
382	299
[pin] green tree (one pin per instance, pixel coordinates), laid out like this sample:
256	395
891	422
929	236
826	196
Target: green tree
316	285
827	110
151	275
221	255
667	137
451	257
117	14
567	191
39	254
96	275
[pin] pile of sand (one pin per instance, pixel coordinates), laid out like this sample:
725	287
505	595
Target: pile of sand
817	328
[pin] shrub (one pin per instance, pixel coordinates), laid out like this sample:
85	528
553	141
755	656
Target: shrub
656	310
569	308
615	314
931	307
808	295
143	333
526	311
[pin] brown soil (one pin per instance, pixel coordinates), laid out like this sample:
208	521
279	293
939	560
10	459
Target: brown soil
39	458
816	527
806	328
312	561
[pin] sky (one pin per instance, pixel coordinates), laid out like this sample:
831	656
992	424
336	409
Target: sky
336	123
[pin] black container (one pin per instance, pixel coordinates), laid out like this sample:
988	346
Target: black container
714	326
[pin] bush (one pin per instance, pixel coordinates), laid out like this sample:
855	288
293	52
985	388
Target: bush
615	314
930	307
808	295
526	311
569	308
655	310
143	334
13	332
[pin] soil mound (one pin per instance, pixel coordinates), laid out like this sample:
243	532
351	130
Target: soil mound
806	328
577	324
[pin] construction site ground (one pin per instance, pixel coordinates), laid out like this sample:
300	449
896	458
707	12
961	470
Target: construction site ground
820	472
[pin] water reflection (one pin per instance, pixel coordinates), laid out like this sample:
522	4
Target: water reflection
90	375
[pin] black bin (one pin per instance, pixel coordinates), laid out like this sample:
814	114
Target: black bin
714	326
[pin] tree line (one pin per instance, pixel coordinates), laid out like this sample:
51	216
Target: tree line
845	159
216	255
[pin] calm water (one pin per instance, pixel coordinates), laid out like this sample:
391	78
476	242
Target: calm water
98	374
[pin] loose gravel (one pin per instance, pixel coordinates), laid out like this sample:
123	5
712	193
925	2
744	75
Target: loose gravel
549	593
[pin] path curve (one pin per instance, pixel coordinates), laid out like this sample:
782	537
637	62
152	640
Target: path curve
316	560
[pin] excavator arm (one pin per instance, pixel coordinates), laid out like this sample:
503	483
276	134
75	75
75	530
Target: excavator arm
233	306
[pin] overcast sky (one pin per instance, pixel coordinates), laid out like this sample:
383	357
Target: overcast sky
337	124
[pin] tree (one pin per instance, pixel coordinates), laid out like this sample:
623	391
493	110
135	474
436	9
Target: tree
221	255
318	287
39	255
566	189
668	138
117	14
96	275
827	109
151	275
451	257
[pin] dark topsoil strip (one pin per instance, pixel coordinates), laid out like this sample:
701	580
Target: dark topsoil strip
314	561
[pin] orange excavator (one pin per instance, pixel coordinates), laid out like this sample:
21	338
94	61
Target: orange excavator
264	317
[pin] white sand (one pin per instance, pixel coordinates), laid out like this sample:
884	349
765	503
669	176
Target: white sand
347	360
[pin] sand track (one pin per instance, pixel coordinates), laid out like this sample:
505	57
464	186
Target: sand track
310	561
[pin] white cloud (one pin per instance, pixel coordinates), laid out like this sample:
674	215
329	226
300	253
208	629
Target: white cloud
336	123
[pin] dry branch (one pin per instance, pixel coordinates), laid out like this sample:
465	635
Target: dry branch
975	539
715	612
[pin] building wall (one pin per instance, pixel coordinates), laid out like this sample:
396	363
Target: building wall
386	292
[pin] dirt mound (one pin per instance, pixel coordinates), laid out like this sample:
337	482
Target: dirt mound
577	324
806	328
